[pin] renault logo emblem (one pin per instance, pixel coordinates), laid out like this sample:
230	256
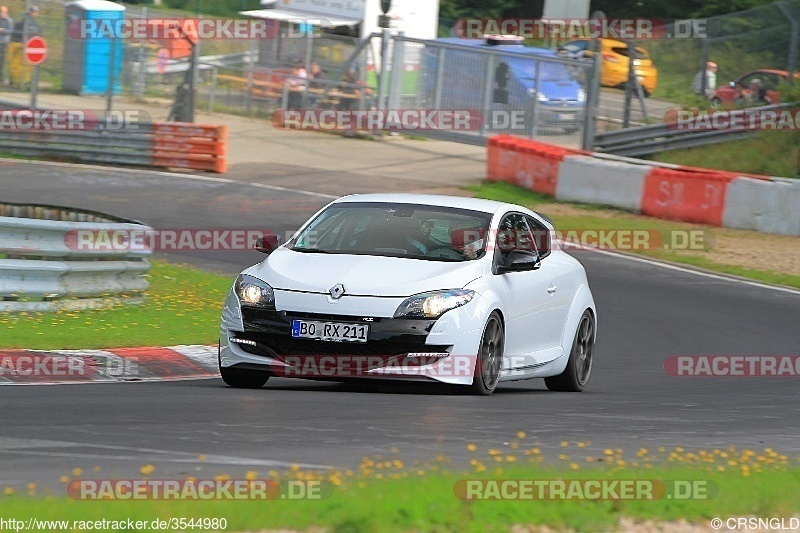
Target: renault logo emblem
337	291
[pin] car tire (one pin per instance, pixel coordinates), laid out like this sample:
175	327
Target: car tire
240	378
489	361
716	102
579	366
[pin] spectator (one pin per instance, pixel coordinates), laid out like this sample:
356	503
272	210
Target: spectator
711	80
316	85
296	86
316	74
6	29
352	90
27	27
757	93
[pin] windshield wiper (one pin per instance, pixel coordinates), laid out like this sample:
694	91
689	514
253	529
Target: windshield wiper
311	250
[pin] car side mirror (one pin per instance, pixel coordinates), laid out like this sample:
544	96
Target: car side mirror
267	243
521	261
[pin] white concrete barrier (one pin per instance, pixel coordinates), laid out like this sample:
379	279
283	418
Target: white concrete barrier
771	206
591	180
672	192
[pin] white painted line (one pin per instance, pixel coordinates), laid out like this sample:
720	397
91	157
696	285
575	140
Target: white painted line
720	277
171	175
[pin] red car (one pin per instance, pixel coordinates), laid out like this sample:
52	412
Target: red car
754	88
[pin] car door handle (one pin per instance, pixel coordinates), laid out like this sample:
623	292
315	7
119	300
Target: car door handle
552	289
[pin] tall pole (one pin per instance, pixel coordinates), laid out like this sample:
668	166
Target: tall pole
111	65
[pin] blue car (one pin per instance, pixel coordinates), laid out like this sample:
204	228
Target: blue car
558	101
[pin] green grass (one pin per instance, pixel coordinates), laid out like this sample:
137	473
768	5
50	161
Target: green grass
182	306
772	153
427	503
615	219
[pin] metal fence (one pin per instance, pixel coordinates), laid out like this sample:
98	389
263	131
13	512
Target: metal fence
262	79
533	95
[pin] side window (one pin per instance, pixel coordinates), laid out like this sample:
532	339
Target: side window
541	236
514	234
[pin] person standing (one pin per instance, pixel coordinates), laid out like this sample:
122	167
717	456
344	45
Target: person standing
711	80
6	29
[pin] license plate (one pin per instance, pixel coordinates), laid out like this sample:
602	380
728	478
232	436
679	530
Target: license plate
566	116
330	331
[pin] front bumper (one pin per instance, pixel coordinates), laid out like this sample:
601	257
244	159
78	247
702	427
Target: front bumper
416	349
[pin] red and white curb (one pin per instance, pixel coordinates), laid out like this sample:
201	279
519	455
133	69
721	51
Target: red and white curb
38	367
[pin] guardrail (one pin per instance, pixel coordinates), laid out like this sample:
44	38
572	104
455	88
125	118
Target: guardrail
44	266
149	144
645	140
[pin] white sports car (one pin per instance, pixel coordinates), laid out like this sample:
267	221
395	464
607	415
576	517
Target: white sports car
399	286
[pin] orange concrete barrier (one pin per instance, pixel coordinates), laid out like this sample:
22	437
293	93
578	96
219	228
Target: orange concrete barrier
193	146
527	163
686	194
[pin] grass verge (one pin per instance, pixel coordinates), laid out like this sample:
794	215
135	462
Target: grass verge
181	307
388	495
771	153
753	265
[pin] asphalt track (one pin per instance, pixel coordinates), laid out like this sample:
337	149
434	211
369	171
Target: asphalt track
647	313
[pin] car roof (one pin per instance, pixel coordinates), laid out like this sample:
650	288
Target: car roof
459	202
772	71
513	48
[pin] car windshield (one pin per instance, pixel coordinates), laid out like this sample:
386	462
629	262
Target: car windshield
396	230
549	71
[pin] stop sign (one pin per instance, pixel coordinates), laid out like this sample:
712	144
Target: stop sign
35	51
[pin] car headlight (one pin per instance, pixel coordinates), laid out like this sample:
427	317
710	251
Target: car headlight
253	292
533	93
581	96
433	304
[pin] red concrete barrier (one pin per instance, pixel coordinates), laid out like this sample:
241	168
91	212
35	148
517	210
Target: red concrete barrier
194	146
687	195
527	163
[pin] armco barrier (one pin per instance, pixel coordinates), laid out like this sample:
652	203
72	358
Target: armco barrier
42	268
671	192
156	144
769	206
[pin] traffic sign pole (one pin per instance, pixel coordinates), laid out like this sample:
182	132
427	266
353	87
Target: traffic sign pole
34	86
35	54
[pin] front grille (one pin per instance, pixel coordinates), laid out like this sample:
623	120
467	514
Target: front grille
270	330
284	345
